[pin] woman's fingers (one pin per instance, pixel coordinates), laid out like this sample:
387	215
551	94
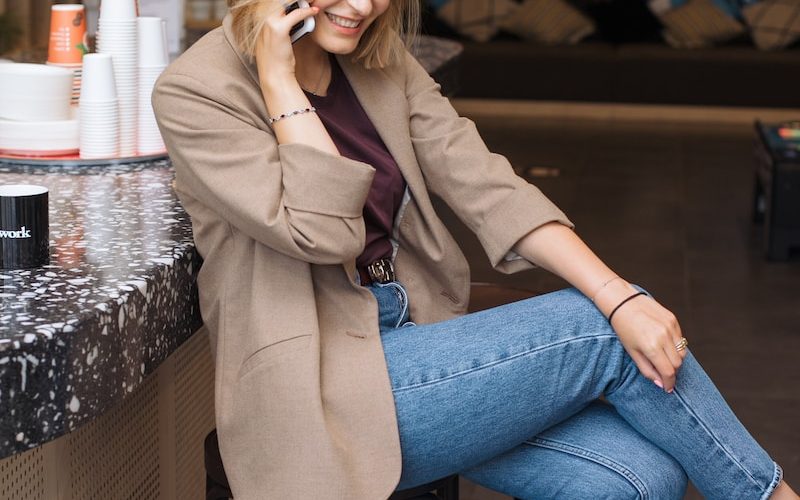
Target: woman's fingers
646	368
674	357
275	45
281	23
677	336
671	343
662	364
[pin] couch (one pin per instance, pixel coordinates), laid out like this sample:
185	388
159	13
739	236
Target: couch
649	71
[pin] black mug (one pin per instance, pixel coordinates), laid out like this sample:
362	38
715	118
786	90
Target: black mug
24	226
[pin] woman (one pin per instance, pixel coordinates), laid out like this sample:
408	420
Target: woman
335	298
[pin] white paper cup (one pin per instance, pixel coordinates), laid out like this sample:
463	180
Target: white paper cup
120	41
116	22
98	83
98	153
115	39
117	10
149	137
98	122
99	130
152	51
117	36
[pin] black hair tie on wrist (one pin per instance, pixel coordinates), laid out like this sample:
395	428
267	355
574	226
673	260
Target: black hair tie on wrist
623	303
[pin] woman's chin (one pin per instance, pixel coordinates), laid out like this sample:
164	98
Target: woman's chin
340	47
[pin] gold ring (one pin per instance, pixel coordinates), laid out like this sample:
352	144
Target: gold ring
681	345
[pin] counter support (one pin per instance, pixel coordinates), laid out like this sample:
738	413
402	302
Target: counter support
148	446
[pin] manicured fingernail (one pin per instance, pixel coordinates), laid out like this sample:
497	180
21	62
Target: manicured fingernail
670	391
658	383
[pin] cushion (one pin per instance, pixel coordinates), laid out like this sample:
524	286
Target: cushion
699	23
475	19
774	24
549	21
730	7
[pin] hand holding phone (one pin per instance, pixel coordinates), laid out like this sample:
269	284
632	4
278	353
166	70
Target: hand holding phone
274	53
302	28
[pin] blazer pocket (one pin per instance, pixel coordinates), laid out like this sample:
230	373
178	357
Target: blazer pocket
272	353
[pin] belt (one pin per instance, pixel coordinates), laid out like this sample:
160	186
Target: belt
380	271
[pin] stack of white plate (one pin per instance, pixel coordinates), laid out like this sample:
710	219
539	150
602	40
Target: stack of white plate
117	37
34	92
35	110
40	138
153	58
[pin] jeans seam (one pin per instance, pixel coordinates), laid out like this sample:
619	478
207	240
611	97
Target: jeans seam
502	360
617	467
716	439
776	479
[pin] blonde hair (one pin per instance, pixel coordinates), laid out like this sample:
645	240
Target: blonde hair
383	44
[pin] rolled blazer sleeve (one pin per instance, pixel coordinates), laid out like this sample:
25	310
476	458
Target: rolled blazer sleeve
479	186
294	198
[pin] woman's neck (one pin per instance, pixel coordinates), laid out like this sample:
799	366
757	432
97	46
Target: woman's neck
312	66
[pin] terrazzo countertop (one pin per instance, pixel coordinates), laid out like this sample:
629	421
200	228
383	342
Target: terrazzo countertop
117	298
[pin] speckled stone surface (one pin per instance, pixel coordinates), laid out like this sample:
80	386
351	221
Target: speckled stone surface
116	299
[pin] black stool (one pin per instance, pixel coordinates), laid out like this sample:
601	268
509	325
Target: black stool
217	487
446	489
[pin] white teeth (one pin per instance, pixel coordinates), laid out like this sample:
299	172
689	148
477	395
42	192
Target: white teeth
341	21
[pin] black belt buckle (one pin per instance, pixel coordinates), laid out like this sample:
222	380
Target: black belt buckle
381	271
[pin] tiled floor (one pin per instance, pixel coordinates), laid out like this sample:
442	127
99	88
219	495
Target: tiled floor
669	208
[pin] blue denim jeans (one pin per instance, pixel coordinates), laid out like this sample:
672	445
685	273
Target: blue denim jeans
508	397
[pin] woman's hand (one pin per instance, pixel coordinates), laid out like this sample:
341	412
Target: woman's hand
646	329
649	333
279	85
275	44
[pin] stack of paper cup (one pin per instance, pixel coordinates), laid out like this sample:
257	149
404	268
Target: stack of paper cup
99	109
68	42
117	37
153	58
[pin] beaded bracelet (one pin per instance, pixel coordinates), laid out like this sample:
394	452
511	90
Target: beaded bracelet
623	303
292	113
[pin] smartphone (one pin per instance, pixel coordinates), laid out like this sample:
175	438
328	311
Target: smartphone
299	30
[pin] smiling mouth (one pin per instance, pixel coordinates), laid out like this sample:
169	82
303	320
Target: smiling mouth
343	21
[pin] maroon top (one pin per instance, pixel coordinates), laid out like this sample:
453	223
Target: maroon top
356	138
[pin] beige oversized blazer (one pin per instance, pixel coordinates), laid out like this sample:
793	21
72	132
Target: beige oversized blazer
304	406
